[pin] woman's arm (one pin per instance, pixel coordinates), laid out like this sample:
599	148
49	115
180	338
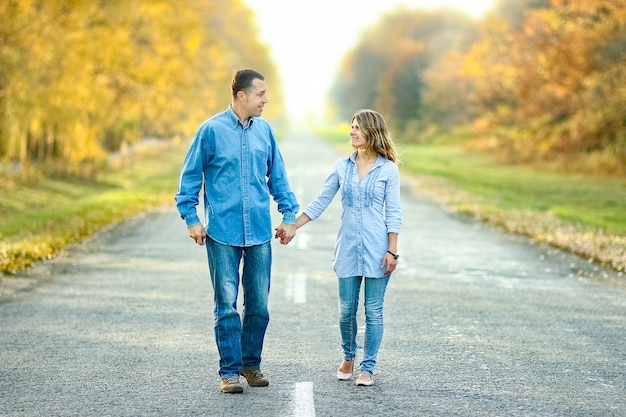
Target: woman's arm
390	260
393	242
301	220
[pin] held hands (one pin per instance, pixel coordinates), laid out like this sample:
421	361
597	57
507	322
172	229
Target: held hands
197	233
285	232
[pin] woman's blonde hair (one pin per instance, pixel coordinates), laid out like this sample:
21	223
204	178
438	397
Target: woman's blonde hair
376	134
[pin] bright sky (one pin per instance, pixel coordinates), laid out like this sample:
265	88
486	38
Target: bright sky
308	39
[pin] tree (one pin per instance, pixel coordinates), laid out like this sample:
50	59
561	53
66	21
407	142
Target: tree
557	80
80	78
386	69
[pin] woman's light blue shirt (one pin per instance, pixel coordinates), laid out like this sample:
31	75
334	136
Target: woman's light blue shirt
240	168
371	210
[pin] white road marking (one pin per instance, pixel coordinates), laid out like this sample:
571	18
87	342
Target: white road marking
304	404
296	288
302	240
299	293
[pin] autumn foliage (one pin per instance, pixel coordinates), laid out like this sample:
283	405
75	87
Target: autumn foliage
81	78
534	81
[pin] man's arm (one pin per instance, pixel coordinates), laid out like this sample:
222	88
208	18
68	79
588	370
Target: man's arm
189	186
280	190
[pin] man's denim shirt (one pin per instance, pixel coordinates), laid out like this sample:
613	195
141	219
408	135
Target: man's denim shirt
240	168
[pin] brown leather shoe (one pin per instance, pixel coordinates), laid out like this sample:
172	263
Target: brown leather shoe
254	377
231	385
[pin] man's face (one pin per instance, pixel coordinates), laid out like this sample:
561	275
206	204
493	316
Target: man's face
256	99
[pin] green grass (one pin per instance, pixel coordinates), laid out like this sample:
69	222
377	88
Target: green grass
582	214
594	202
39	218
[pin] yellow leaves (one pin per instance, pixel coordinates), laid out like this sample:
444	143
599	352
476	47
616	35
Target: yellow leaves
542	21
73	73
193	42
541	83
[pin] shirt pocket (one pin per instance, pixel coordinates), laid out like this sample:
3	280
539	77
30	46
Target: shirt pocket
260	163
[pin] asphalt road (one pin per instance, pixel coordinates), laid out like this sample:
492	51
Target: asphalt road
478	323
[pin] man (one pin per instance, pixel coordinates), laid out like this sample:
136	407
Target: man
235	156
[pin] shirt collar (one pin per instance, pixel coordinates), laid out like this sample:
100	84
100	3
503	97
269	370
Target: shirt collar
379	159
235	119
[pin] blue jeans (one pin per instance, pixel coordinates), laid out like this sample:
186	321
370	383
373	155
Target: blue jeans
349	289
239	338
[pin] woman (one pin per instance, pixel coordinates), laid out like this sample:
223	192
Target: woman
367	241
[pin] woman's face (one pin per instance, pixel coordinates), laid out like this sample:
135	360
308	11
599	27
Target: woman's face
356	135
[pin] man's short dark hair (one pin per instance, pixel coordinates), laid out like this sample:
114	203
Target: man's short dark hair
242	80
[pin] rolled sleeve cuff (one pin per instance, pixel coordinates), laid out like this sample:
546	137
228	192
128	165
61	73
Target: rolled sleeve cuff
191	219
311	215
289	218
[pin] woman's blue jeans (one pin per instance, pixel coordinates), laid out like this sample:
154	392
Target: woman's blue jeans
349	289
239	338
